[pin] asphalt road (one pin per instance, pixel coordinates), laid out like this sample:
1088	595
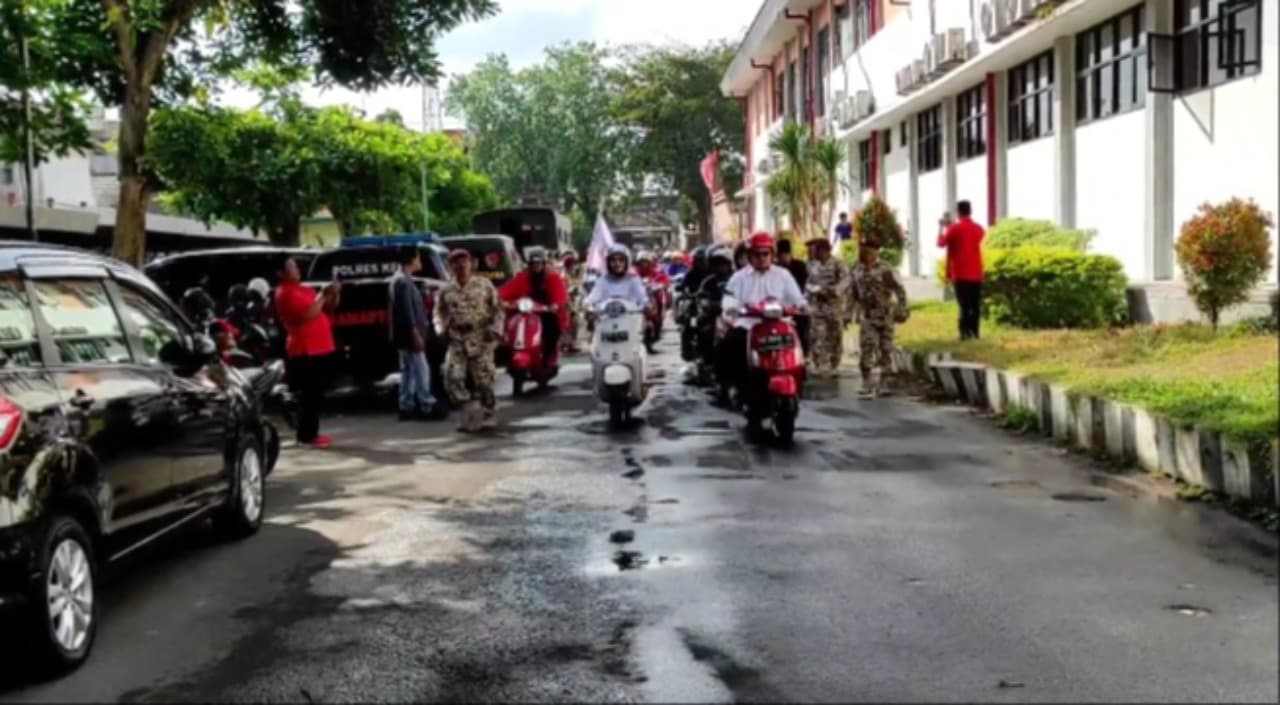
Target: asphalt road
900	551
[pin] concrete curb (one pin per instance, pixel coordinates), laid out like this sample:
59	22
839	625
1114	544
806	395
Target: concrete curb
1103	427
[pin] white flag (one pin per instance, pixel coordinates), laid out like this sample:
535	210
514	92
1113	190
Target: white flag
601	241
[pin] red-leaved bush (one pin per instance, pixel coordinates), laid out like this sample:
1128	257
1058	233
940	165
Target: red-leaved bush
1224	251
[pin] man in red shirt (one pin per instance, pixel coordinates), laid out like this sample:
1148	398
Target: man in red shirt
546	287
308	347
963	242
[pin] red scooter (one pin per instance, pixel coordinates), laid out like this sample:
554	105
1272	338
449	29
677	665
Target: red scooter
654	313
527	361
775	368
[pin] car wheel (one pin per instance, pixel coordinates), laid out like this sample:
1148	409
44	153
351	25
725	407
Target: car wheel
64	605
242	515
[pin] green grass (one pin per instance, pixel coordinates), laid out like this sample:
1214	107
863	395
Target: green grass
1229	382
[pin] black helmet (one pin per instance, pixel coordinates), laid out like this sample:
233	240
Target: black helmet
197	303
701	255
238	295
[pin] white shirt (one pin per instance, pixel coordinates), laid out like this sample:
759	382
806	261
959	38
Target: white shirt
749	286
627	287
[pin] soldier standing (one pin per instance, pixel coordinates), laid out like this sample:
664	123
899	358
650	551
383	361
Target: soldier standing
875	285
469	314
828	290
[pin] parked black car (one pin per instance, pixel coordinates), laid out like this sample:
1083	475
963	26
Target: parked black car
217	270
118	423
496	257
360	322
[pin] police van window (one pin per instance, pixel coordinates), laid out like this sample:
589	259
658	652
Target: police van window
157	328
83	323
19	346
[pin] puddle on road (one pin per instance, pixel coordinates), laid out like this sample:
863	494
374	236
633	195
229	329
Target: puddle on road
1078	497
1190	610
622	536
1002	484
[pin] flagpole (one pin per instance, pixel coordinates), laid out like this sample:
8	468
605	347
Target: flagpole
28	139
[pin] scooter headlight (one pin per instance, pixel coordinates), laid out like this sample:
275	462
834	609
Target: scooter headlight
772	310
613	309
525	305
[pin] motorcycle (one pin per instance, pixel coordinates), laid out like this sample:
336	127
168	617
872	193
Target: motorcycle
527	361
775	368
687	320
653	315
618	358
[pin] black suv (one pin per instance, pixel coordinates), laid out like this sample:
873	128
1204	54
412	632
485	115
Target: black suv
216	270
118	423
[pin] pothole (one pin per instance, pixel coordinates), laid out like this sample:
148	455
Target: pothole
914	581
629	560
1078	497
1190	610
999	484
634	474
622	536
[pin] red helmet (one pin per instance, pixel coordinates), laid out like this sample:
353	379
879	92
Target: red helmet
458	253
760	241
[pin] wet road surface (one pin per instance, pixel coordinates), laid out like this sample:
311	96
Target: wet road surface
899	552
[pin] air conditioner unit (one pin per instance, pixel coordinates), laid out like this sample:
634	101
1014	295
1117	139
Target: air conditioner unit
938	54
1028	10
902	80
863	105
918	72
955	48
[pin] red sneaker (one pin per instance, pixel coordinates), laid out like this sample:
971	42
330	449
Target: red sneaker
321	442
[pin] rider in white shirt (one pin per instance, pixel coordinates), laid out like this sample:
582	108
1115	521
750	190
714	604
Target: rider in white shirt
618	281
753	284
761	280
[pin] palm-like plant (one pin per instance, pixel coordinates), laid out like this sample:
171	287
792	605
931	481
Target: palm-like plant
807	181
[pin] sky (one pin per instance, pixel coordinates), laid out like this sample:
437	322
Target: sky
523	28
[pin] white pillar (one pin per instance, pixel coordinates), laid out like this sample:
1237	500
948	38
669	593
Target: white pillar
1064	131
1159	161
913	224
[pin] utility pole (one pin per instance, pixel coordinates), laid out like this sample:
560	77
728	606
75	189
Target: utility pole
28	138
430	99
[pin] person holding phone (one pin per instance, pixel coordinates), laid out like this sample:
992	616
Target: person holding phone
962	240
309	347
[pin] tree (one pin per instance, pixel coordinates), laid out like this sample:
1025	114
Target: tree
267	169
805	184
138	54
1225	251
58	111
670	103
547	131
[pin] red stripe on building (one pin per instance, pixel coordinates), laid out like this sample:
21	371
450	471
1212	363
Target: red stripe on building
993	172
875	162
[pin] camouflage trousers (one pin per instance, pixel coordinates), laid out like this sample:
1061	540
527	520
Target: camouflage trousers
826	342
875	349
470	360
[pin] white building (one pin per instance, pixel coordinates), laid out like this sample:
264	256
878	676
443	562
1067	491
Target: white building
1121	116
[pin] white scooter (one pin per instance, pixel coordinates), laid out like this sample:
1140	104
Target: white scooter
618	357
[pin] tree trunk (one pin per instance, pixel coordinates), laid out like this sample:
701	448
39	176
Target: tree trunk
706	233
130	244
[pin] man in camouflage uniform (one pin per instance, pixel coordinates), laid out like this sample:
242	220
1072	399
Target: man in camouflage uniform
468	313
827	288
875	286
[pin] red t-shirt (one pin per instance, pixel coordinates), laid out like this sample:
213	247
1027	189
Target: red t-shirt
305	336
963	241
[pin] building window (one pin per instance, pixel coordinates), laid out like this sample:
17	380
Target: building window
1031	99
6	175
791	91
1110	59
861	22
1217	41
929	139
843	35
902	134
802	108
864	164
779	96
886	139
824	48
971	123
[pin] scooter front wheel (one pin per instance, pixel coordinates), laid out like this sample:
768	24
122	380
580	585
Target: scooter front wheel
517	384
784	421
619	410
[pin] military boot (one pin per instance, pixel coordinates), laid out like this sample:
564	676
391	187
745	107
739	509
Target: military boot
870	382
470	421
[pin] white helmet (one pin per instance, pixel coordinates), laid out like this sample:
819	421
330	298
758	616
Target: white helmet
260	286
645	256
616	250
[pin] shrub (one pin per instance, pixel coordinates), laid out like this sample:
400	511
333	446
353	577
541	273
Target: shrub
1021	232
1045	287
1224	252
877	223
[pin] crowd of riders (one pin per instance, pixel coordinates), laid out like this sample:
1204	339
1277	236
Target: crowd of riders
821	296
